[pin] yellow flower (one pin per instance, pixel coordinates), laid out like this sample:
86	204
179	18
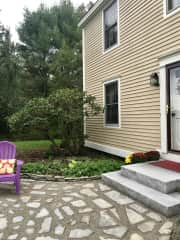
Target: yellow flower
72	164
128	159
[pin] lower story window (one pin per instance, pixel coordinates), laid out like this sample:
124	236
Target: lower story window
111	103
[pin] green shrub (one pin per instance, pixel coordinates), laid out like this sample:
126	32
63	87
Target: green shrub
59	115
91	168
36	168
54	168
73	169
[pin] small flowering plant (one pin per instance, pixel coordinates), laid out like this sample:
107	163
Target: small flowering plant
72	164
128	159
139	157
142	157
152	155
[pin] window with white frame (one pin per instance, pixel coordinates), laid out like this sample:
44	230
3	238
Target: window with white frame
111	101
172	5
111	25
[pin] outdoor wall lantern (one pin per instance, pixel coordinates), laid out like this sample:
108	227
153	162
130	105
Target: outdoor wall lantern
154	80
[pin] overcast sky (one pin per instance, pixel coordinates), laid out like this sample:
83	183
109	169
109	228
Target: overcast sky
12	11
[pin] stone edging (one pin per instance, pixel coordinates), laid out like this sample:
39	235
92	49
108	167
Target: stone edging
57	178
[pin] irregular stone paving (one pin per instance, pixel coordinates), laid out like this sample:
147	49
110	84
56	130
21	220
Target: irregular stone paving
176	231
70	211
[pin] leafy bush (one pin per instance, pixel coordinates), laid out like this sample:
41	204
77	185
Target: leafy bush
60	115
92	168
73	169
35	168
53	168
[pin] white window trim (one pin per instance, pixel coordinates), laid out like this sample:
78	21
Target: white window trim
119	104
164	61
118	28
170	13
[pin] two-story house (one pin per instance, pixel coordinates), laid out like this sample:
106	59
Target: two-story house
131	62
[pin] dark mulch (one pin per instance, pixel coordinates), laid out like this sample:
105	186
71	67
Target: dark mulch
176	231
42	154
31	155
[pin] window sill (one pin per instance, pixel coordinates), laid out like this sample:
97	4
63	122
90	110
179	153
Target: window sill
112	126
111	48
172	12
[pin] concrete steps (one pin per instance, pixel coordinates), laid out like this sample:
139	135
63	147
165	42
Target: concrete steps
157	178
165	203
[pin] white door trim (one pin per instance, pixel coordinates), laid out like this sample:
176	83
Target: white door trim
164	61
84	69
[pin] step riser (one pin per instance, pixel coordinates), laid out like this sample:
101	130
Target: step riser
167	211
168	187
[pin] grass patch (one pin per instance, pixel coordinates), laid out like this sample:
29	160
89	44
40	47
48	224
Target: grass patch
32	145
77	168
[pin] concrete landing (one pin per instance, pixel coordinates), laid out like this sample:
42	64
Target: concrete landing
161	179
167	204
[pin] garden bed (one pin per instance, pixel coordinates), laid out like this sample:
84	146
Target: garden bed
70	169
38	165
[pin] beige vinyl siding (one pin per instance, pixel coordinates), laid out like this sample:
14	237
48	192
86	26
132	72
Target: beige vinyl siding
144	36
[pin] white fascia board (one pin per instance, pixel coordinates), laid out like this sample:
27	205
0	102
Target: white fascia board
98	5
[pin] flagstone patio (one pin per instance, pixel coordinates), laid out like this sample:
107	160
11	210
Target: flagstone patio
84	210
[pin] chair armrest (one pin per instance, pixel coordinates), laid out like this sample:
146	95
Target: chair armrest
19	164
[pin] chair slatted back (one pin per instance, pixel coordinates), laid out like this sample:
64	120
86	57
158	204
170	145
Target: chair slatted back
7	150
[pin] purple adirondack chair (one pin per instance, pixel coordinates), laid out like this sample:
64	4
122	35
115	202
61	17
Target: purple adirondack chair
8	151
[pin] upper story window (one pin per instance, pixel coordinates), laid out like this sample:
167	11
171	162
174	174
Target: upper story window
111	25
172	5
111	98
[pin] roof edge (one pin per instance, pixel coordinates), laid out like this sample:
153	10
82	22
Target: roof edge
91	12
